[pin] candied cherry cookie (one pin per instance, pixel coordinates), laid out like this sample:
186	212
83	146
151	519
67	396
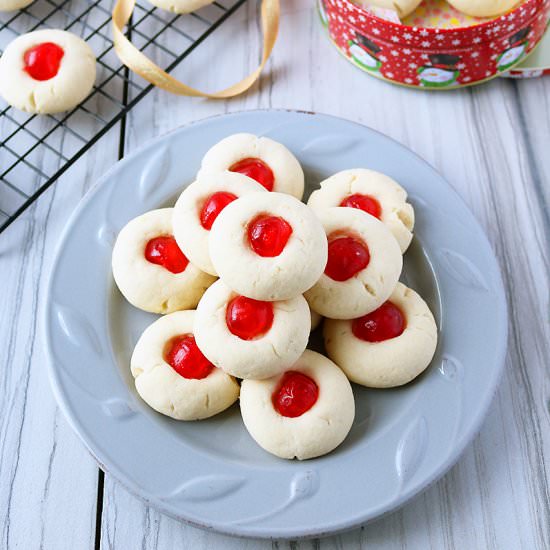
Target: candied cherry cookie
12	5
387	347
262	159
47	71
302	413
363	267
172	375
199	205
180	6
250	338
483	8
268	246
151	271
373	193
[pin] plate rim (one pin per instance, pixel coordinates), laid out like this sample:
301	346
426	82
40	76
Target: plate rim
252	531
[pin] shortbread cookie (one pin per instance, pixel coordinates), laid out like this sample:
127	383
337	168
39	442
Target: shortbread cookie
47	71
267	161
402	7
483	8
268	246
199	205
249	338
12	5
180	6
363	267
173	376
151	271
388	347
371	192
302	413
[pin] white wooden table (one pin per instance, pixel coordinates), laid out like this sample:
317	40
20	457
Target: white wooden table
492	145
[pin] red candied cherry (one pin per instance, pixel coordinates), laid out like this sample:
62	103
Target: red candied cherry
268	235
42	61
363	202
383	323
346	257
296	394
213	206
248	318
165	251
185	357
257	170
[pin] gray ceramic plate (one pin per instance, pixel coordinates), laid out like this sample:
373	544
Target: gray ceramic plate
211	473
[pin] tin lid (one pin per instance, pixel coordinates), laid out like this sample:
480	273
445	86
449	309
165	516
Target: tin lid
535	64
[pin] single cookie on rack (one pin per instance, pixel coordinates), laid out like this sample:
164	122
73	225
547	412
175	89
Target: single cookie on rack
302	413
483	8
388	347
180	6
372	192
363	267
12	5
47	71
199	205
151	271
250	338
268	246
172	375
264	160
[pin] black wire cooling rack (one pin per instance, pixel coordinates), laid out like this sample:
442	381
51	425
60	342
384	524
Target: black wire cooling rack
36	149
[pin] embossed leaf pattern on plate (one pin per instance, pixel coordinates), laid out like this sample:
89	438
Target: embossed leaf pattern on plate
106	236
304	485
78	329
411	449
462	269
330	145
205	488
117	408
154	173
451	368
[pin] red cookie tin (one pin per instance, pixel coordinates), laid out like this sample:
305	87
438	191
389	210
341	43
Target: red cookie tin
434	58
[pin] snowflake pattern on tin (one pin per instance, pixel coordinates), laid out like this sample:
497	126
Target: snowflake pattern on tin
436	58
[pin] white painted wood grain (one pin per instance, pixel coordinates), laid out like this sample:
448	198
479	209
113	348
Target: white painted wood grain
491	143
48	481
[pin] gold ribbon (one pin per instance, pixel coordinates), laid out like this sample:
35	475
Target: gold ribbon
139	63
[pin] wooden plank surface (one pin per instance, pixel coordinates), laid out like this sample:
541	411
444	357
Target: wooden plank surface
491	144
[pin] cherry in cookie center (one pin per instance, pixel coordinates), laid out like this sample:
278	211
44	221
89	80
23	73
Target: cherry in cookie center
247	318
368	204
256	169
268	235
185	357
347	256
42	61
295	395
212	207
164	251
384	323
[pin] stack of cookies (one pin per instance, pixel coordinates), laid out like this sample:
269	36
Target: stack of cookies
243	270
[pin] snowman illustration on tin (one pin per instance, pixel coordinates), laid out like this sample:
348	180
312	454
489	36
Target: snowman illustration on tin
440	72
364	51
518	46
